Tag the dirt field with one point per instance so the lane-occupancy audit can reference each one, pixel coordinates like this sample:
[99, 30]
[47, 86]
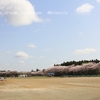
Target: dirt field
[50, 88]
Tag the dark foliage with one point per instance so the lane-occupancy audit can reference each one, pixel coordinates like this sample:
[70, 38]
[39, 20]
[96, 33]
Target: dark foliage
[68, 63]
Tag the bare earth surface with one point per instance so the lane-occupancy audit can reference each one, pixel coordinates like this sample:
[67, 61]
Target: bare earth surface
[50, 88]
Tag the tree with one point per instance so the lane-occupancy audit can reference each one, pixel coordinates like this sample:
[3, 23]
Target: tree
[37, 70]
[43, 70]
[32, 70]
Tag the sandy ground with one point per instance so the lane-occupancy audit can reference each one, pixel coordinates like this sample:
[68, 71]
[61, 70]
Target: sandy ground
[50, 88]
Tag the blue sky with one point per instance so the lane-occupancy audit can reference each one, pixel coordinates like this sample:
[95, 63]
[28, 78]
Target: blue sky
[40, 33]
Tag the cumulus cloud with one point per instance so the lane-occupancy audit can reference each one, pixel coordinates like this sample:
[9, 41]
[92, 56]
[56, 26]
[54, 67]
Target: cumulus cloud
[85, 51]
[98, 1]
[84, 8]
[21, 54]
[31, 46]
[18, 12]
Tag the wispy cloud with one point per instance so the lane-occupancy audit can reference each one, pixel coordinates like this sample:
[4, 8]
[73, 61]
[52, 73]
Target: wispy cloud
[21, 54]
[18, 12]
[85, 51]
[84, 8]
[31, 46]
[98, 1]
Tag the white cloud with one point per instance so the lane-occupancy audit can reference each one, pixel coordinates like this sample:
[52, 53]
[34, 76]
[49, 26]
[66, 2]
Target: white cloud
[31, 46]
[98, 1]
[85, 51]
[18, 12]
[84, 8]
[21, 54]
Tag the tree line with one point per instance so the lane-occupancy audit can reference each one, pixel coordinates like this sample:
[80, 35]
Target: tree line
[68, 63]
[69, 68]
